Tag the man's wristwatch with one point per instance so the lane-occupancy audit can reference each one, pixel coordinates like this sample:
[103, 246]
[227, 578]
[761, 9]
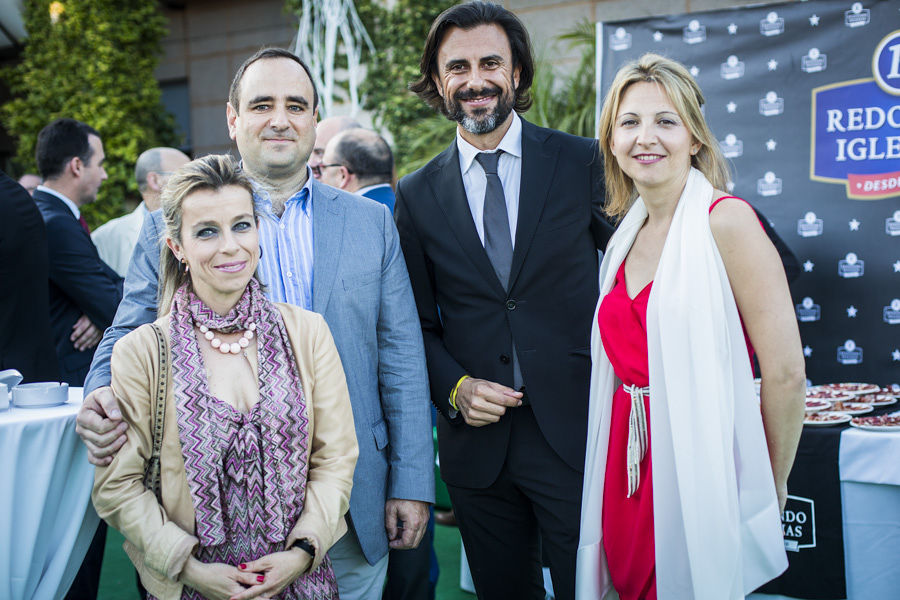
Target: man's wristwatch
[305, 545]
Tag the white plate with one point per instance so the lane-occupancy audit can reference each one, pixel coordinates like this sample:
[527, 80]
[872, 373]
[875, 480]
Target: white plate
[40, 395]
[845, 418]
[879, 403]
[891, 428]
[817, 404]
[853, 408]
[865, 388]
[827, 394]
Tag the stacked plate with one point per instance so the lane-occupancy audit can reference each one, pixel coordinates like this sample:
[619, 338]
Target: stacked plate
[846, 400]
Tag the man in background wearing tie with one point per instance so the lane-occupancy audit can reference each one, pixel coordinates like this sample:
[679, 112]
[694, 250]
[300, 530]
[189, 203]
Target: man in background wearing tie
[84, 291]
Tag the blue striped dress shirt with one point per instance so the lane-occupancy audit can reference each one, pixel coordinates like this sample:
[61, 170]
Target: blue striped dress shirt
[286, 264]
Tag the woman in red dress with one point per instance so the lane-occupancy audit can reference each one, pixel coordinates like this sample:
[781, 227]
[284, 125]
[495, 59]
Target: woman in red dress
[686, 471]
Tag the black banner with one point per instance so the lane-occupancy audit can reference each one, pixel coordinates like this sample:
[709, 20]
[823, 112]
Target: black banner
[805, 101]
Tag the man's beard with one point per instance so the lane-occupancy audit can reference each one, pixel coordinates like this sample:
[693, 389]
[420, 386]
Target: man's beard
[484, 120]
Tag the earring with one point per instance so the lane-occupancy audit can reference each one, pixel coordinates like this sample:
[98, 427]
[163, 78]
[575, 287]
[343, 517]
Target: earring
[187, 267]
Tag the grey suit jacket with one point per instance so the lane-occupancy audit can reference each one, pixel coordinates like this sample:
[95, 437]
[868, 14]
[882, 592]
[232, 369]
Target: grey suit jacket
[362, 289]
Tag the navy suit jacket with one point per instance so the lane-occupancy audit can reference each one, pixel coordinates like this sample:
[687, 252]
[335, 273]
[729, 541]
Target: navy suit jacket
[469, 321]
[80, 283]
[383, 194]
[25, 340]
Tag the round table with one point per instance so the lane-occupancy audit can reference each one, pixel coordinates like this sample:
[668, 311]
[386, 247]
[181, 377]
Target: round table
[46, 516]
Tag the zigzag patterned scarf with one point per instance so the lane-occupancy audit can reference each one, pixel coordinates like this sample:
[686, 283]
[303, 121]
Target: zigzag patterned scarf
[284, 420]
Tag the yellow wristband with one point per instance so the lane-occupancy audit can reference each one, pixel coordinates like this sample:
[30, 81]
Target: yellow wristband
[456, 389]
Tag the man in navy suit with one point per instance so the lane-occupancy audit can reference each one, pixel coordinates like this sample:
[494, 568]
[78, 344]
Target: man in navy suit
[360, 161]
[501, 233]
[26, 343]
[84, 291]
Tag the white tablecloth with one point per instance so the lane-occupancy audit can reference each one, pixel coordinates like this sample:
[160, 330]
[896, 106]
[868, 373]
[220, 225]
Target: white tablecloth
[869, 464]
[46, 517]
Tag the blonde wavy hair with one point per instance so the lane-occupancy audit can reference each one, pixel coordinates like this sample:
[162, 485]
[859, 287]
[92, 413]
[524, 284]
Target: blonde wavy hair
[212, 172]
[685, 95]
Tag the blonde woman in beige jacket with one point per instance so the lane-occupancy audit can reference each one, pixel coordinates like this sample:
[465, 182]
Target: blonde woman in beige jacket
[258, 445]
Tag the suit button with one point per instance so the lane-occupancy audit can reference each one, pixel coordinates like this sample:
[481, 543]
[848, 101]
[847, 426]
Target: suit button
[510, 305]
[504, 359]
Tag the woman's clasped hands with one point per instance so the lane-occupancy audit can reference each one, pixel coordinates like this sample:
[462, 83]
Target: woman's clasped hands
[262, 578]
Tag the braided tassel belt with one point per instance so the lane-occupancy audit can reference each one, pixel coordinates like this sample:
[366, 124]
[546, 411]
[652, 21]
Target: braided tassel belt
[637, 436]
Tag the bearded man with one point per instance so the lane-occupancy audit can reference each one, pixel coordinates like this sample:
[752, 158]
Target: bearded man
[501, 233]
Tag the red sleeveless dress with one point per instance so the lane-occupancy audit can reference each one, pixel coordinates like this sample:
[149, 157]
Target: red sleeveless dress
[627, 523]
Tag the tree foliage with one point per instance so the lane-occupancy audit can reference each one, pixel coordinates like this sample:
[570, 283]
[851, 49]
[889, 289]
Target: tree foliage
[95, 63]
[399, 36]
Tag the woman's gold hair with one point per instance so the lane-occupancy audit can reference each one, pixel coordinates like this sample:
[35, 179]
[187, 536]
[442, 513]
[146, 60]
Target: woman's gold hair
[685, 95]
[212, 172]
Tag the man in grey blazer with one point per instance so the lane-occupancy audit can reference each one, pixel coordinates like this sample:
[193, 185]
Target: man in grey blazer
[358, 282]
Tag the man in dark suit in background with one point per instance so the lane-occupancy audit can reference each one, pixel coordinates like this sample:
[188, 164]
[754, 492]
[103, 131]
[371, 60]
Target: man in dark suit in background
[84, 291]
[25, 340]
[501, 234]
[359, 161]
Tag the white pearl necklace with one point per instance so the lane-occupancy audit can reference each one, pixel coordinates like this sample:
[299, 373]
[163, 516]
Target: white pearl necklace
[224, 347]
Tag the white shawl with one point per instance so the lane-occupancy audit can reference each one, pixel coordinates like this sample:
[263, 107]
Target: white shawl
[717, 524]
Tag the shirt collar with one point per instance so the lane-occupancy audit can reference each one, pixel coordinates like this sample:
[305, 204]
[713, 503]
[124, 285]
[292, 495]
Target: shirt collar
[511, 144]
[304, 196]
[362, 191]
[72, 206]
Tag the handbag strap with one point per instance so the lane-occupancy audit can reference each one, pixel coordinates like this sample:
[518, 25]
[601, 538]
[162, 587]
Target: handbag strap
[152, 472]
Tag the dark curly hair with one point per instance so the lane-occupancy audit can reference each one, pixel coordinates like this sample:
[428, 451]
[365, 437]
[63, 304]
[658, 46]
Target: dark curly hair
[469, 16]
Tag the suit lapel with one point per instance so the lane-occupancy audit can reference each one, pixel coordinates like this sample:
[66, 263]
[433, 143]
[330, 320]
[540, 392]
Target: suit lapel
[328, 231]
[450, 194]
[539, 156]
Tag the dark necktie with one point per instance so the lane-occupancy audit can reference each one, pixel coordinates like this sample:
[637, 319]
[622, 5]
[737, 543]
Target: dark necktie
[84, 225]
[497, 240]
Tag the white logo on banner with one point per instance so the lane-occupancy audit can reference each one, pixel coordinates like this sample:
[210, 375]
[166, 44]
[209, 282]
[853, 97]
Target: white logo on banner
[849, 353]
[851, 266]
[798, 523]
[620, 40]
[731, 146]
[771, 105]
[808, 311]
[814, 61]
[769, 185]
[857, 16]
[694, 33]
[772, 24]
[892, 312]
[809, 225]
[892, 224]
[732, 68]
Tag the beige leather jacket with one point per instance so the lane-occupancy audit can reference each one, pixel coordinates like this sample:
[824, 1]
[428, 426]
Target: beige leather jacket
[159, 539]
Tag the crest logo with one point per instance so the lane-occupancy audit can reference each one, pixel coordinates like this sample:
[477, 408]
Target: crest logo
[857, 16]
[892, 224]
[856, 128]
[851, 266]
[808, 311]
[886, 64]
[814, 61]
[620, 40]
[849, 353]
[694, 33]
[769, 185]
[771, 25]
[731, 146]
[892, 312]
[732, 68]
[798, 523]
[771, 105]
[810, 225]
